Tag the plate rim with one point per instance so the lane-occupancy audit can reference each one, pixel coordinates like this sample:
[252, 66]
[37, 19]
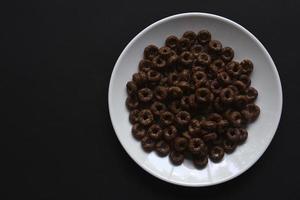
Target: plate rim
[220, 18]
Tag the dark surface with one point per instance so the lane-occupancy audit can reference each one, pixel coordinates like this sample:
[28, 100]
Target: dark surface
[57, 139]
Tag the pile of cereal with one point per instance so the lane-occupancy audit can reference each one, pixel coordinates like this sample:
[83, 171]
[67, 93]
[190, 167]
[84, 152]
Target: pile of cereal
[191, 100]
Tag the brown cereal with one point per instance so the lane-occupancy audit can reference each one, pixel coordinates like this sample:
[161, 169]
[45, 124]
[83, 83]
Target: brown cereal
[157, 108]
[162, 148]
[170, 133]
[191, 99]
[183, 118]
[172, 42]
[227, 54]
[166, 118]
[134, 116]
[216, 154]
[176, 158]
[148, 144]
[146, 117]
[145, 65]
[138, 131]
[145, 95]
[180, 144]
[150, 52]
[155, 132]
[203, 36]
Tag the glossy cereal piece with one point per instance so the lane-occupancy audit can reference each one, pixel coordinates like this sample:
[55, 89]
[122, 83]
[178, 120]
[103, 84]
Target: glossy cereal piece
[240, 101]
[145, 95]
[145, 65]
[167, 118]
[214, 117]
[173, 59]
[215, 46]
[227, 95]
[172, 42]
[200, 161]
[208, 125]
[184, 86]
[229, 146]
[134, 116]
[192, 101]
[217, 66]
[207, 137]
[131, 88]
[251, 94]
[216, 154]
[185, 75]
[173, 78]
[235, 119]
[165, 52]
[240, 85]
[161, 93]
[132, 103]
[183, 118]
[234, 89]
[200, 77]
[234, 69]
[180, 144]
[146, 117]
[138, 131]
[175, 92]
[186, 58]
[196, 50]
[204, 95]
[157, 108]
[227, 54]
[194, 127]
[159, 62]
[184, 44]
[139, 78]
[203, 36]
[153, 76]
[176, 158]
[218, 105]
[204, 59]
[222, 126]
[150, 52]
[224, 78]
[247, 66]
[162, 148]
[155, 132]
[243, 135]
[245, 79]
[251, 112]
[184, 102]
[148, 144]
[170, 132]
[175, 107]
[196, 146]
[233, 134]
[215, 87]
[191, 36]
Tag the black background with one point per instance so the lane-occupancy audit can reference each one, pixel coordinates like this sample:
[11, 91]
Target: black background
[57, 138]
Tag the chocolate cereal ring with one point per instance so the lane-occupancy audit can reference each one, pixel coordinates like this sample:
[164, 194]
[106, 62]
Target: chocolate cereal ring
[203, 36]
[146, 117]
[145, 95]
[157, 108]
[150, 52]
[148, 144]
[169, 133]
[138, 131]
[176, 158]
[180, 144]
[155, 132]
[216, 154]
[166, 118]
[227, 54]
[183, 118]
[162, 148]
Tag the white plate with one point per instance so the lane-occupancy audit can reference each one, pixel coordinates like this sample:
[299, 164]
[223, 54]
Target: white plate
[265, 79]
